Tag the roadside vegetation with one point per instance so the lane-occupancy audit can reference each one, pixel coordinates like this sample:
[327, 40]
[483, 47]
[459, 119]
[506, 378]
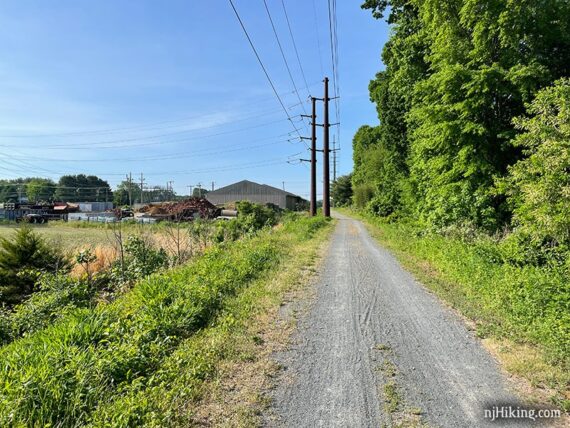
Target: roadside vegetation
[467, 175]
[125, 345]
[521, 311]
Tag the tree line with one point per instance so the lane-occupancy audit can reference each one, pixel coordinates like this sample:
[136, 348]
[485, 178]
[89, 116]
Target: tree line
[69, 188]
[82, 188]
[474, 111]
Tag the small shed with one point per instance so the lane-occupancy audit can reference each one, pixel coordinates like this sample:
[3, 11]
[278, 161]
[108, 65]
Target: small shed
[254, 192]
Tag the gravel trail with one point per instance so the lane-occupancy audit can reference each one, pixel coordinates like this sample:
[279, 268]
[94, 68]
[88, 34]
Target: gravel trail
[376, 349]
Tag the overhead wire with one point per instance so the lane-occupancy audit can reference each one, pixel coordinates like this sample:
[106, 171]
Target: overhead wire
[116, 144]
[153, 125]
[333, 29]
[261, 63]
[283, 55]
[178, 155]
[317, 33]
[295, 47]
[229, 167]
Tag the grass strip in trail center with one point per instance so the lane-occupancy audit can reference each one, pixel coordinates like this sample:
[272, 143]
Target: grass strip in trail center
[60, 375]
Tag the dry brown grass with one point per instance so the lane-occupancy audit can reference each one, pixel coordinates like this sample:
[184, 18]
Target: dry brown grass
[529, 373]
[105, 256]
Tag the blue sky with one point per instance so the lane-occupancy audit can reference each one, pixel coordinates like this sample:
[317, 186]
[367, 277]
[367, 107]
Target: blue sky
[172, 88]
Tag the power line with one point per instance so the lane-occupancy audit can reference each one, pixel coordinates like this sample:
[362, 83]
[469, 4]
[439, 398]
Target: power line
[283, 55]
[317, 33]
[152, 125]
[229, 167]
[295, 47]
[333, 29]
[261, 64]
[112, 144]
[178, 155]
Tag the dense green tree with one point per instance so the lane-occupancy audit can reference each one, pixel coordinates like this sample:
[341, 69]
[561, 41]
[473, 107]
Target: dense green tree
[159, 194]
[341, 191]
[121, 193]
[13, 190]
[539, 186]
[83, 188]
[9, 190]
[40, 189]
[365, 138]
[457, 73]
[384, 163]
[199, 192]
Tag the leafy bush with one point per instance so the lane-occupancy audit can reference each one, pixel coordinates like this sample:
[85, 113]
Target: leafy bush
[57, 296]
[251, 218]
[362, 194]
[141, 259]
[21, 258]
[255, 216]
[539, 186]
[109, 347]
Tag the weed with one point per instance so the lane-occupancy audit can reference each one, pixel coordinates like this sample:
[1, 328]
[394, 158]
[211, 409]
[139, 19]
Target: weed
[135, 360]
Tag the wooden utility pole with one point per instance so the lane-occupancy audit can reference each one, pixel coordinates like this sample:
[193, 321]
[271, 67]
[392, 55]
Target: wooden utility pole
[313, 160]
[326, 151]
[313, 208]
[129, 188]
[142, 188]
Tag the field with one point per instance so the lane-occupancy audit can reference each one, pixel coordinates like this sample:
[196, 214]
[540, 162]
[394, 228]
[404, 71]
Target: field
[68, 236]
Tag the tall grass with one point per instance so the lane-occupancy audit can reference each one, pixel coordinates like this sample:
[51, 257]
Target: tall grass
[58, 376]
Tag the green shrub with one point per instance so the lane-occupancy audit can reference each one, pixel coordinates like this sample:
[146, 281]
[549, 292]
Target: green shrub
[21, 258]
[253, 216]
[362, 194]
[57, 296]
[539, 186]
[141, 259]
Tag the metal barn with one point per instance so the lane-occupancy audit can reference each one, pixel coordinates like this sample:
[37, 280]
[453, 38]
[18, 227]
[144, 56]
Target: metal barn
[254, 192]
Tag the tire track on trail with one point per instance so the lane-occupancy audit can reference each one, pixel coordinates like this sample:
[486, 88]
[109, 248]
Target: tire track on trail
[376, 349]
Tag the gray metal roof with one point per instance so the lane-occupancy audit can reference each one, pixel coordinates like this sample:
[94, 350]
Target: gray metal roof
[236, 187]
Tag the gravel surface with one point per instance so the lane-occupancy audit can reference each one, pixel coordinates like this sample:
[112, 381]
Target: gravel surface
[376, 349]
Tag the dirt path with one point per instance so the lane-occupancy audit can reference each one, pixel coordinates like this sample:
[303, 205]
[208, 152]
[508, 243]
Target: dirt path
[376, 349]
